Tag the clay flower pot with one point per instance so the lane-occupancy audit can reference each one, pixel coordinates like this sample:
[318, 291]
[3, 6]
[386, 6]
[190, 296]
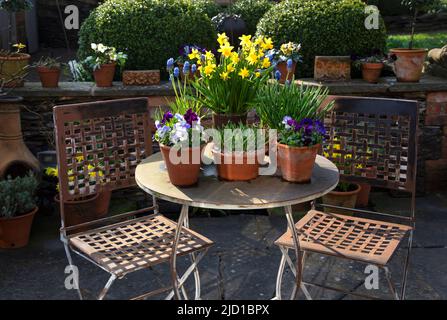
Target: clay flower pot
[14, 66]
[49, 76]
[183, 174]
[87, 209]
[14, 232]
[409, 64]
[371, 71]
[228, 169]
[363, 195]
[297, 163]
[220, 120]
[104, 75]
[342, 199]
[282, 67]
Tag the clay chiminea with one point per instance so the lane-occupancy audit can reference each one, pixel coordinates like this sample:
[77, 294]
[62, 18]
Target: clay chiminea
[15, 157]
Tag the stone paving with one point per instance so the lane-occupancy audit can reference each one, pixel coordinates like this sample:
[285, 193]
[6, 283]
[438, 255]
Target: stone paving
[242, 264]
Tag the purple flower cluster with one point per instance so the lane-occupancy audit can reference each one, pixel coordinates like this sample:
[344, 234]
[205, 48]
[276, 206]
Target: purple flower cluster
[191, 117]
[306, 132]
[187, 49]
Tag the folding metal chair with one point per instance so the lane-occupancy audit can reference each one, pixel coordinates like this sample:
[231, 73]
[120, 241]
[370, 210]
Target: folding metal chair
[112, 138]
[371, 133]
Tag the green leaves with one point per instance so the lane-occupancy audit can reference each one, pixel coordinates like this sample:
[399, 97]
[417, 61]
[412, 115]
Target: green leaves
[17, 196]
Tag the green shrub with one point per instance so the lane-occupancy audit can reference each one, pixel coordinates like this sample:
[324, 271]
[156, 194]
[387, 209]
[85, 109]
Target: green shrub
[251, 11]
[323, 27]
[209, 7]
[149, 31]
[17, 196]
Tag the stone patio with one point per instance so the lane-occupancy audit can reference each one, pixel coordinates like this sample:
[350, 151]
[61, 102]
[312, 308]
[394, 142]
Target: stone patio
[242, 264]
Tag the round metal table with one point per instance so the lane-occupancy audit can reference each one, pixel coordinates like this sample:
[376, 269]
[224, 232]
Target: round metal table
[262, 193]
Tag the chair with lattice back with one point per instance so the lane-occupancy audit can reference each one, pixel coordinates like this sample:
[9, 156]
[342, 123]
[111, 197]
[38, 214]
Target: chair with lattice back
[99, 145]
[365, 135]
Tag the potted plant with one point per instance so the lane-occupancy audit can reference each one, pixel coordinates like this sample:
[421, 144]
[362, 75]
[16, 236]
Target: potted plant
[298, 145]
[17, 209]
[49, 70]
[228, 85]
[86, 208]
[371, 67]
[238, 152]
[409, 62]
[14, 66]
[286, 59]
[346, 193]
[103, 62]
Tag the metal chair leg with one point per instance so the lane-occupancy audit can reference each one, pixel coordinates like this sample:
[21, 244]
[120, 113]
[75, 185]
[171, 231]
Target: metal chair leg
[407, 263]
[107, 287]
[70, 262]
[279, 277]
[390, 282]
[178, 232]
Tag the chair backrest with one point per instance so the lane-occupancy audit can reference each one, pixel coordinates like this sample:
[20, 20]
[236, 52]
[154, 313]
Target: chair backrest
[100, 144]
[374, 140]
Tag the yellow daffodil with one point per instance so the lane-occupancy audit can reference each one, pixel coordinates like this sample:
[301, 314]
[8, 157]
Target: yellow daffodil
[244, 73]
[209, 69]
[252, 58]
[234, 57]
[226, 50]
[267, 44]
[266, 63]
[209, 55]
[222, 38]
[230, 68]
[257, 74]
[224, 76]
[245, 41]
[51, 172]
[195, 54]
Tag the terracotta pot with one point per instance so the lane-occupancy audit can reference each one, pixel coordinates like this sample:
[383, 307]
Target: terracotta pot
[104, 75]
[285, 75]
[363, 195]
[182, 174]
[229, 170]
[409, 64]
[49, 76]
[14, 232]
[297, 163]
[371, 71]
[88, 209]
[13, 66]
[220, 120]
[342, 199]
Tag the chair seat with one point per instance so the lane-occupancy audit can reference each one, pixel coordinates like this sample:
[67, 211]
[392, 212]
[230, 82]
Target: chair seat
[364, 240]
[132, 245]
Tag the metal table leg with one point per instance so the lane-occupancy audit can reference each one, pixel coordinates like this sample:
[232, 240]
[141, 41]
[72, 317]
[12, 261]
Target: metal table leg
[178, 232]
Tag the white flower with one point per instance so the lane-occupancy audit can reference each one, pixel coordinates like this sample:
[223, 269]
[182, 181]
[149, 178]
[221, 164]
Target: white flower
[102, 48]
[94, 46]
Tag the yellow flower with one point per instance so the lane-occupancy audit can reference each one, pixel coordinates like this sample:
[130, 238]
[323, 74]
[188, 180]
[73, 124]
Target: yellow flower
[257, 74]
[234, 57]
[230, 68]
[209, 55]
[266, 63]
[224, 76]
[267, 44]
[244, 73]
[222, 38]
[245, 40]
[79, 159]
[209, 68]
[51, 172]
[19, 46]
[252, 57]
[226, 50]
[194, 54]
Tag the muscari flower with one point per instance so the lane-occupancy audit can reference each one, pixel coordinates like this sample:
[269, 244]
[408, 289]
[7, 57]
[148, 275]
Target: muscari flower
[186, 67]
[170, 64]
[176, 72]
[277, 75]
[289, 65]
[193, 68]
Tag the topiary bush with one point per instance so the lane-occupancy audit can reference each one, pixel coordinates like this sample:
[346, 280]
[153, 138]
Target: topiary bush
[149, 31]
[323, 27]
[251, 11]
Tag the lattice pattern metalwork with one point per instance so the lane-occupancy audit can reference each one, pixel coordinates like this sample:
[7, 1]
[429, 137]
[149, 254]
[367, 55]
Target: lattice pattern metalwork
[349, 237]
[130, 246]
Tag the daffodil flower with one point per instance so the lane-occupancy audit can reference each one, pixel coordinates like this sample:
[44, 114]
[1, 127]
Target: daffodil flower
[224, 76]
[222, 38]
[226, 50]
[244, 73]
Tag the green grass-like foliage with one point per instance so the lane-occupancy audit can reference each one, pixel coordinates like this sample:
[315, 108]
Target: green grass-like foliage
[149, 31]
[421, 40]
[17, 196]
[251, 11]
[240, 137]
[275, 101]
[323, 27]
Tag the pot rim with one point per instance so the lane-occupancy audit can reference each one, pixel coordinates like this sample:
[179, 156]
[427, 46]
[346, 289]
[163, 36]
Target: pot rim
[285, 146]
[74, 201]
[46, 69]
[32, 212]
[107, 65]
[347, 193]
[230, 114]
[163, 146]
[21, 56]
[233, 153]
[406, 50]
[372, 65]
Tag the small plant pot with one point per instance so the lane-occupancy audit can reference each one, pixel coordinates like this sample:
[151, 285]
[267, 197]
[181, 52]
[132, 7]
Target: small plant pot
[220, 120]
[363, 195]
[285, 75]
[84, 210]
[371, 71]
[14, 232]
[228, 169]
[342, 199]
[49, 77]
[297, 163]
[14, 66]
[104, 75]
[409, 64]
[183, 174]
